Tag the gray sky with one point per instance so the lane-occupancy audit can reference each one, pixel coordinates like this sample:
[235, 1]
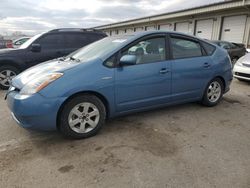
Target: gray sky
[31, 17]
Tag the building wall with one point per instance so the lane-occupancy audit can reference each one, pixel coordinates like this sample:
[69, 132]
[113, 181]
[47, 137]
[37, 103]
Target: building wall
[217, 18]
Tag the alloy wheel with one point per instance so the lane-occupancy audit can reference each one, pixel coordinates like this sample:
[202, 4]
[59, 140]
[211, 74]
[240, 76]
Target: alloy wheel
[6, 76]
[214, 92]
[84, 117]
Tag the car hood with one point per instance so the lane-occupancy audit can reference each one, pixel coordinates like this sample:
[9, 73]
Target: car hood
[246, 59]
[10, 51]
[42, 69]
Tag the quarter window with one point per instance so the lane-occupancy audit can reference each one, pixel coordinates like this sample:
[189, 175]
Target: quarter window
[185, 48]
[148, 51]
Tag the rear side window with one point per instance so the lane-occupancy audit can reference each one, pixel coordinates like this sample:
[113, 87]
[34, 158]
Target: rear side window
[78, 40]
[208, 48]
[185, 48]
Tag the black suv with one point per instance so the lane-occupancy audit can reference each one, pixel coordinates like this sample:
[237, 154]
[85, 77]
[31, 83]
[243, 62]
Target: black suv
[43, 47]
[234, 50]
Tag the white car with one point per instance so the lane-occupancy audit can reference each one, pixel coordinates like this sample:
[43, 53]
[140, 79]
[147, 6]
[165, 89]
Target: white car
[241, 69]
[17, 43]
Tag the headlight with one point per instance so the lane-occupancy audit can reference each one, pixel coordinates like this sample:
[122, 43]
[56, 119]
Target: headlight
[39, 83]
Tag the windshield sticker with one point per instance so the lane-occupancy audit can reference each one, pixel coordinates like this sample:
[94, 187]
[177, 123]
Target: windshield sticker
[119, 40]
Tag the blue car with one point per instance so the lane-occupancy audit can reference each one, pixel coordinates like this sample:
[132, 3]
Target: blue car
[117, 76]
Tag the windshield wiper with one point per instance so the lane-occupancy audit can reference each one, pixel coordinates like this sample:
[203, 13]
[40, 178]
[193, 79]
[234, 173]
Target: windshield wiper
[62, 58]
[74, 59]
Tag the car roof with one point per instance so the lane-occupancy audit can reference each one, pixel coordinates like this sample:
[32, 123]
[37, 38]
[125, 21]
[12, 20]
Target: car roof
[76, 30]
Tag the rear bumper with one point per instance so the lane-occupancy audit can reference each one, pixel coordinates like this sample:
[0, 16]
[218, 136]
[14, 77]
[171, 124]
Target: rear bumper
[35, 111]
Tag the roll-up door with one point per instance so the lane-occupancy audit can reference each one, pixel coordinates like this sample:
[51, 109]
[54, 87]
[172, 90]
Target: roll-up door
[182, 27]
[166, 27]
[233, 28]
[204, 29]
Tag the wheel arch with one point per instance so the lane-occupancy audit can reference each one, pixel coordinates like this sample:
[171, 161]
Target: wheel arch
[10, 62]
[223, 81]
[99, 95]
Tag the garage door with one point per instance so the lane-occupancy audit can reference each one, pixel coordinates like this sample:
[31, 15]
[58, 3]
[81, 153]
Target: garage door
[113, 32]
[121, 32]
[233, 28]
[139, 29]
[150, 28]
[182, 27]
[204, 29]
[166, 27]
[130, 30]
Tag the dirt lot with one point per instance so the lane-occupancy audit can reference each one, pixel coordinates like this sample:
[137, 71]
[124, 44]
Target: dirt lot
[181, 146]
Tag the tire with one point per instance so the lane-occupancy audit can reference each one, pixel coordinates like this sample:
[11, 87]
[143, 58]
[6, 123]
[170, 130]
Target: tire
[212, 96]
[76, 119]
[7, 73]
[241, 80]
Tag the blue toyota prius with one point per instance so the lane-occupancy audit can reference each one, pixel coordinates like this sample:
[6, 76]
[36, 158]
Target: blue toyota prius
[116, 76]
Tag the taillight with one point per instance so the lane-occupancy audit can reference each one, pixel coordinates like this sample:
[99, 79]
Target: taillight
[9, 44]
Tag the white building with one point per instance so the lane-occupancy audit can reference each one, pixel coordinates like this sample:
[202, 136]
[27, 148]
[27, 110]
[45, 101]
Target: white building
[228, 20]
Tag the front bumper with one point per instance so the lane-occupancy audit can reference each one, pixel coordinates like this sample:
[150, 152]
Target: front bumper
[35, 111]
[241, 72]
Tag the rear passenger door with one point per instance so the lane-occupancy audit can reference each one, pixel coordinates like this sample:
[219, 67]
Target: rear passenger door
[191, 68]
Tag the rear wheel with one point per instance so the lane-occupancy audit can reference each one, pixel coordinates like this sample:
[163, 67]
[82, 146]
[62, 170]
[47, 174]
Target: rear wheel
[82, 117]
[7, 73]
[213, 93]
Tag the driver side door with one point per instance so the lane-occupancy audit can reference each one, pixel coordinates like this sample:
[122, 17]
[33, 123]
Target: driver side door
[148, 82]
[52, 46]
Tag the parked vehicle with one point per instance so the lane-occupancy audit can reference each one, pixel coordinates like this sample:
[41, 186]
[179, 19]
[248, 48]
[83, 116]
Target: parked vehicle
[6, 44]
[17, 43]
[241, 69]
[234, 50]
[41, 48]
[116, 76]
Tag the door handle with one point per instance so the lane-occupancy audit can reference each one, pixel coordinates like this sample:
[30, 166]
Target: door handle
[206, 65]
[164, 71]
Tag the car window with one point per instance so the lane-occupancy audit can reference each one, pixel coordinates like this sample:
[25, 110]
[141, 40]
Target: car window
[225, 45]
[94, 37]
[110, 62]
[148, 51]
[75, 40]
[51, 41]
[208, 48]
[185, 48]
[78, 40]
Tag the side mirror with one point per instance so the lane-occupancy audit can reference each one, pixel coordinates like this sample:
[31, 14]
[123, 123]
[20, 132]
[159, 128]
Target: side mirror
[128, 60]
[226, 47]
[35, 47]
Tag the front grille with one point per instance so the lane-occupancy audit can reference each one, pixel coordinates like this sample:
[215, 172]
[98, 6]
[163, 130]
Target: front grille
[242, 74]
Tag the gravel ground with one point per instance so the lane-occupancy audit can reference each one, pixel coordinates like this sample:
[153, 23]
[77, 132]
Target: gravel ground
[181, 146]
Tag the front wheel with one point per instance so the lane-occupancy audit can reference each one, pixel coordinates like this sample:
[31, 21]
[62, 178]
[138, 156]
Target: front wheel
[82, 117]
[7, 73]
[213, 93]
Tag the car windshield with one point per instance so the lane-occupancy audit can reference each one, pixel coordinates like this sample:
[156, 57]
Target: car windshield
[99, 48]
[30, 41]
